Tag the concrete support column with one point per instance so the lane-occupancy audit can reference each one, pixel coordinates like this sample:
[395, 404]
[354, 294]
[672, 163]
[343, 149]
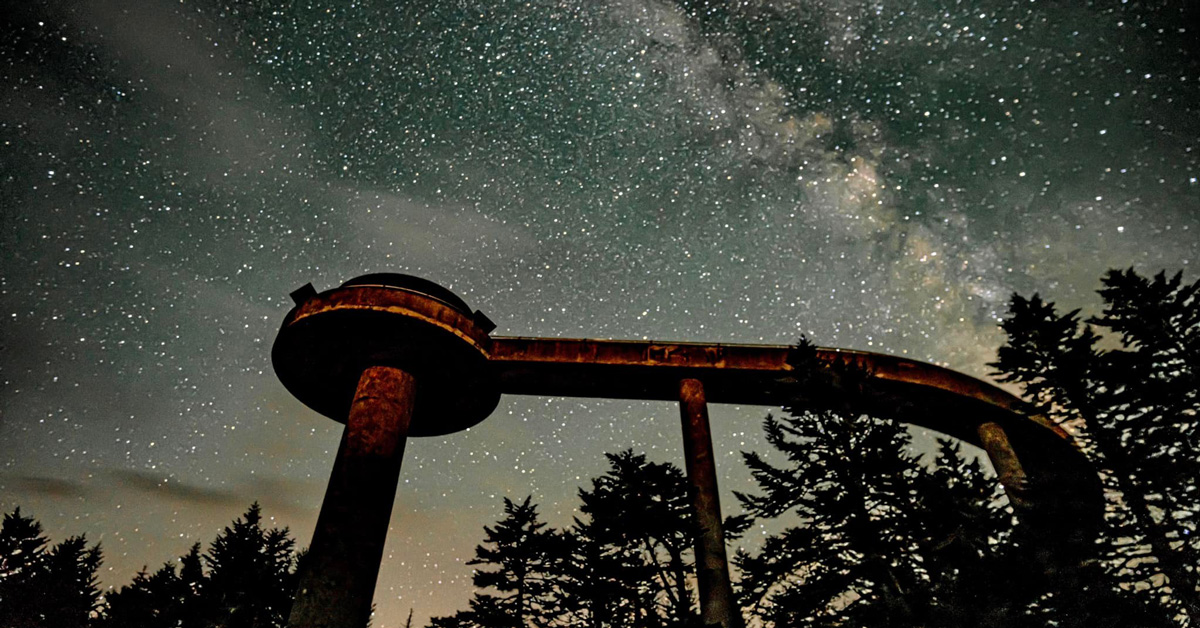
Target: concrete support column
[342, 565]
[717, 606]
[1004, 460]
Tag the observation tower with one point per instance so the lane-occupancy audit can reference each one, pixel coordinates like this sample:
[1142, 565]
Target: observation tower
[393, 356]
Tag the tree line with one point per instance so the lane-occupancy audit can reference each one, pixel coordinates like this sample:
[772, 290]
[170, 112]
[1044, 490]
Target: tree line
[847, 525]
[245, 579]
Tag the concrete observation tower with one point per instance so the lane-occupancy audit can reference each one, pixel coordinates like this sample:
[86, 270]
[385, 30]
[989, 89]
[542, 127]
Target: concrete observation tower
[393, 356]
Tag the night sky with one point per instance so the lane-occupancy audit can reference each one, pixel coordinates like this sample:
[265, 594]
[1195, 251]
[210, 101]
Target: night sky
[878, 175]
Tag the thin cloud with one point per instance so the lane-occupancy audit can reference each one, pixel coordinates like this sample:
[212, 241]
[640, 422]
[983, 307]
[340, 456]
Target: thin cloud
[167, 488]
[44, 485]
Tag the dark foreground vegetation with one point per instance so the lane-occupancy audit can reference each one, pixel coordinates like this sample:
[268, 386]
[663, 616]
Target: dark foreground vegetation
[848, 525]
[244, 580]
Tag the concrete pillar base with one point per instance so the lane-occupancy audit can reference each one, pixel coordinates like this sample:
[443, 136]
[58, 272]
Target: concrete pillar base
[338, 580]
[717, 604]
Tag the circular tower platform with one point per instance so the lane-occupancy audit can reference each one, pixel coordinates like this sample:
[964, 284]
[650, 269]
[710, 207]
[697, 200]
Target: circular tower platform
[389, 319]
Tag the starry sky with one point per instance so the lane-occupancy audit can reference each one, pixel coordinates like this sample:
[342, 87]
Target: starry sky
[878, 175]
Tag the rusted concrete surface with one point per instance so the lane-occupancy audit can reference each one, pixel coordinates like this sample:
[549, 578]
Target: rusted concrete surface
[342, 564]
[608, 364]
[717, 604]
[327, 340]
[1045, 475]
[994, 441]
[357, 353]
[911, 391]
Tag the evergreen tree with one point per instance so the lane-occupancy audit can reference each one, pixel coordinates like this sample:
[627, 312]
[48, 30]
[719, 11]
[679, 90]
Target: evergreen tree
[600, 583]
[968, 543]
[22, 549]
[246, 579]
[517, 546]
[523, 555]
[192, 581]
[150, 601]
[639, 517]
[881, 540]
[251, 575]
[628, 561]
[851, 557]
[42, 588]
[250, 581]
[1056, 360]
[68, 587]
[1136, 411]
[625, 563]
[1155, 397]
[164, 599]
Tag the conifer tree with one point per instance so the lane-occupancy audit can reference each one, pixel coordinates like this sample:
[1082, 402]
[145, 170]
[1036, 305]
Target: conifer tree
[251, 574]
[147, 602]
[249, 582]
[68, 588]
[22, 549]
[640, 512]
[522, 554]
[968, 543]
[601, 583]
[163, 599]
[191, 587]
[517, 546]
[848, 484]
[1136, 411]
[879, 539]
[1155, 397]
[40, 588]
[625, 563]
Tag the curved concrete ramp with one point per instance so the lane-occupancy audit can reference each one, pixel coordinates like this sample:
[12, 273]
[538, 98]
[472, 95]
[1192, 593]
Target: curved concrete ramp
[1049, 481]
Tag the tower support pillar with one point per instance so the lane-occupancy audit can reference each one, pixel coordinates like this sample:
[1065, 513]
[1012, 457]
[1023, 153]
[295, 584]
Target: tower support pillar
[717, 605]
[1004, 460]
[338, 578]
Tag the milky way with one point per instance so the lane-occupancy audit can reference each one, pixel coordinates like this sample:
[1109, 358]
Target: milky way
[876, 175]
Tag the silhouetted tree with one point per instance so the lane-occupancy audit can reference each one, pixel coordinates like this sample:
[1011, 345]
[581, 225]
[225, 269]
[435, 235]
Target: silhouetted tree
[22, 549]
[249, 582]
[163, 599]
[639, 517]
[42, 588]
[1136, 409]
[251, 575]
[521, 553]
[601, 583]
[967, 545]
[880, 540]
[191, 585]
[1155, 399]
[625, 563]
[68, 588]
[848, 484]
